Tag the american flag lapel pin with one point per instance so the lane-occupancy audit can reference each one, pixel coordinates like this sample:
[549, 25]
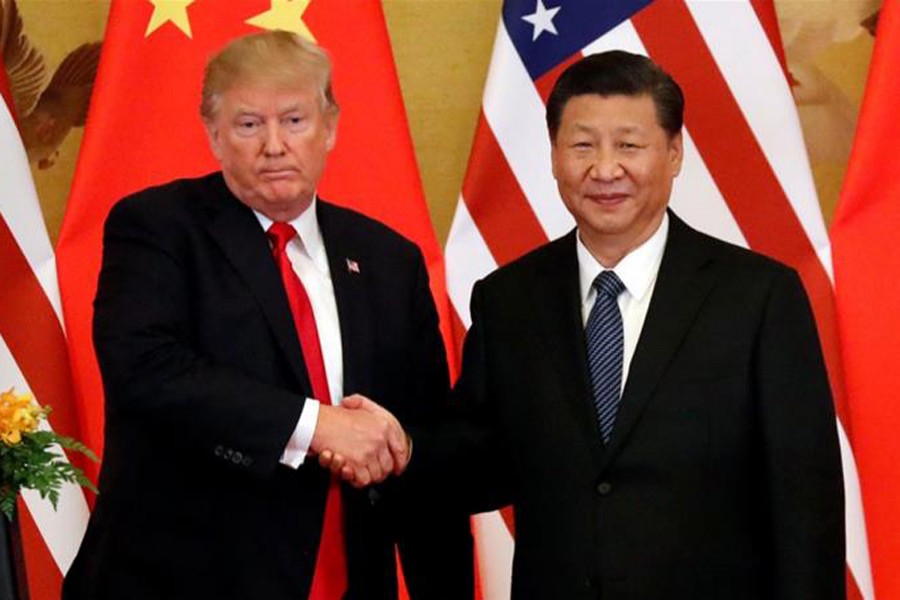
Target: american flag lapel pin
[352, 266]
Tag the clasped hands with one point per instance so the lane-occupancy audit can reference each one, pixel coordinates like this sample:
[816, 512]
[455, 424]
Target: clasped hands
[360, 441]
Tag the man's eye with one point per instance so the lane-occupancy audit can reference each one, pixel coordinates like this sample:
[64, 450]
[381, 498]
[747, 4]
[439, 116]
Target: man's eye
[294, 122]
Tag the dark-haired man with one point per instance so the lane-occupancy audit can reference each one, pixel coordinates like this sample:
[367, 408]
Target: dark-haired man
[654, 400]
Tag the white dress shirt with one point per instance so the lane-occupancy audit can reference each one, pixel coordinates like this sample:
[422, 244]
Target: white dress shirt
[637, 270]
[310, 262]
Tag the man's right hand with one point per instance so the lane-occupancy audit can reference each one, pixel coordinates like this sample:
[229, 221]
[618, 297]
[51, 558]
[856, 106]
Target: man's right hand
[360, 440]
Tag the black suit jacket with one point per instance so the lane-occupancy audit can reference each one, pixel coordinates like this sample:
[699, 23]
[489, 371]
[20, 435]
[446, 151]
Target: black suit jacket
[205, 381]
[722, 479]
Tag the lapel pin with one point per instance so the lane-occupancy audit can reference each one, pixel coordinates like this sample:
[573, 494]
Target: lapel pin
[352, 266]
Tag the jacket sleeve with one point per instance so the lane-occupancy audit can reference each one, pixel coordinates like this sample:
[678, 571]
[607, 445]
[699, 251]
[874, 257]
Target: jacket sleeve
[460, 455]
[801, 461]
[154, 374]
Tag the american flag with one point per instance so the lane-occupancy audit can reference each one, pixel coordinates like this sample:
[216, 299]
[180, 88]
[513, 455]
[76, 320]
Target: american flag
[33, 355]
[746, 177]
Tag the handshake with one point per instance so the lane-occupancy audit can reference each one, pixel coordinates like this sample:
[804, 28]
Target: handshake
[360, 441]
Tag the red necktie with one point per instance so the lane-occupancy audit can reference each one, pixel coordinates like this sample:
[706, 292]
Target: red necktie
[330, 579]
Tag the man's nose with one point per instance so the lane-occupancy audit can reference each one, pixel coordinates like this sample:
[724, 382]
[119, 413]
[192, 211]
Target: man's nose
[606, 166]
[273, 140]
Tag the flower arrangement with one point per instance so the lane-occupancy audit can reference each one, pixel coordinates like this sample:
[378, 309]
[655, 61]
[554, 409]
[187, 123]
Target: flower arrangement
[27, 457]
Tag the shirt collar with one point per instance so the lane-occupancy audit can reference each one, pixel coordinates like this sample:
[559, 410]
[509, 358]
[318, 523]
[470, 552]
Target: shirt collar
[637, 269]
[307, 226]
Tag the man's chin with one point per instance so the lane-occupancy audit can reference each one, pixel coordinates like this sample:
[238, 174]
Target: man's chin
[288, 200]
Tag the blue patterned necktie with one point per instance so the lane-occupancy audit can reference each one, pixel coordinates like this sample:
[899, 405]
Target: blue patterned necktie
[605, 350]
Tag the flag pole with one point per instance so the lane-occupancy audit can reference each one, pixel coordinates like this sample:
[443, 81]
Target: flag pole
[12, 562]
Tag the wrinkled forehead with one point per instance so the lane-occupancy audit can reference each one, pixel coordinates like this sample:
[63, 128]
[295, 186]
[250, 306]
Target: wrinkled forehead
[264, 95]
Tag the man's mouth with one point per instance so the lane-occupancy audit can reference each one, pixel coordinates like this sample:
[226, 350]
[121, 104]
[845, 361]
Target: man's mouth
[283, 173]
[607, 197]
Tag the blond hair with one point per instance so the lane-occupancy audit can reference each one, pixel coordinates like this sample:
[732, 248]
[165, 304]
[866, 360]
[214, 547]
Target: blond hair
[278, 59]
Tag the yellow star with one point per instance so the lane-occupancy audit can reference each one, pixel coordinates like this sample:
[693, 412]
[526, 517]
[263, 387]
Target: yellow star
[286, 15]
[165, 11]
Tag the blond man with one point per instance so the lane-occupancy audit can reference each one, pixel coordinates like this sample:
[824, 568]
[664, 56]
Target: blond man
[229, 328]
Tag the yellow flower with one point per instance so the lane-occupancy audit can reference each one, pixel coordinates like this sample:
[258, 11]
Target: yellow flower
[19, 414]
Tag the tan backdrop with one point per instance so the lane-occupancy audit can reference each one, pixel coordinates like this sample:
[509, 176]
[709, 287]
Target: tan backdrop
[442, 49]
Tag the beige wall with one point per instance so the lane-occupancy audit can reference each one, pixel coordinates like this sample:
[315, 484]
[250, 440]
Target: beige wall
[442, 49]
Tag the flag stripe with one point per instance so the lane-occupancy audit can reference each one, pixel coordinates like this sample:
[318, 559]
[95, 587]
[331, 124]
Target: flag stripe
[768, 19]
[63, 527]
[739, 165]
[756, 85]
[515, 230]
[33, 334]
[468, 260]
[859, 575]
[495, 547]
[519, 130]
[712, 215]
[44, 577]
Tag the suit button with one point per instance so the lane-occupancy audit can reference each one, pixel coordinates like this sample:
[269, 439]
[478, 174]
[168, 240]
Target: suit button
[247, 461]
[219, 450]
[604, 488]
[237, 457]
[227, 454]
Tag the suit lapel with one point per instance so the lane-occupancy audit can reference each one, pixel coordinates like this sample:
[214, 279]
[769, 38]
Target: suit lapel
[682, 285]
[556, 295]
[349, 277]
[236, 230]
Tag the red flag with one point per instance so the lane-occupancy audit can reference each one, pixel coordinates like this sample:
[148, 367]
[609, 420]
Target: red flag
[866, 267]
[751, 186]
[32, 345]
[144, 129]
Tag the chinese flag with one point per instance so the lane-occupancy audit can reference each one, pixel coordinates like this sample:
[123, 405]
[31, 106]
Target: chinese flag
[144, 129]
[867, 286]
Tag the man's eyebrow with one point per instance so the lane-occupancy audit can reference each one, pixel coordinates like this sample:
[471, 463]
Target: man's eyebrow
[622, 129]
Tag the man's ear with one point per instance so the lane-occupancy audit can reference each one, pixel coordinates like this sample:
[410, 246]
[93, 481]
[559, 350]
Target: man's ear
[212, 134]
[553, 157]
[676, 153]
[331, 123]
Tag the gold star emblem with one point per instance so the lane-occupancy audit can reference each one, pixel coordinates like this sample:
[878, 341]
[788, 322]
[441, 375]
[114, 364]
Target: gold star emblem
[165, 11]
[286, 15]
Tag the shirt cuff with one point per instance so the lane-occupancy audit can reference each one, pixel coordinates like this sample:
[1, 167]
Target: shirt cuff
[298, 445]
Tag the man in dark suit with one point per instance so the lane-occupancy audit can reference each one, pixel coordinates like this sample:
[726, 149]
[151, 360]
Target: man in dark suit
[652, 401]
[233, 313]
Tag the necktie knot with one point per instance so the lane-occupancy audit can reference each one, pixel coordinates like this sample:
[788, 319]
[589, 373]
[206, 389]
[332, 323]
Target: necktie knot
[280, 234]
[608, 284]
